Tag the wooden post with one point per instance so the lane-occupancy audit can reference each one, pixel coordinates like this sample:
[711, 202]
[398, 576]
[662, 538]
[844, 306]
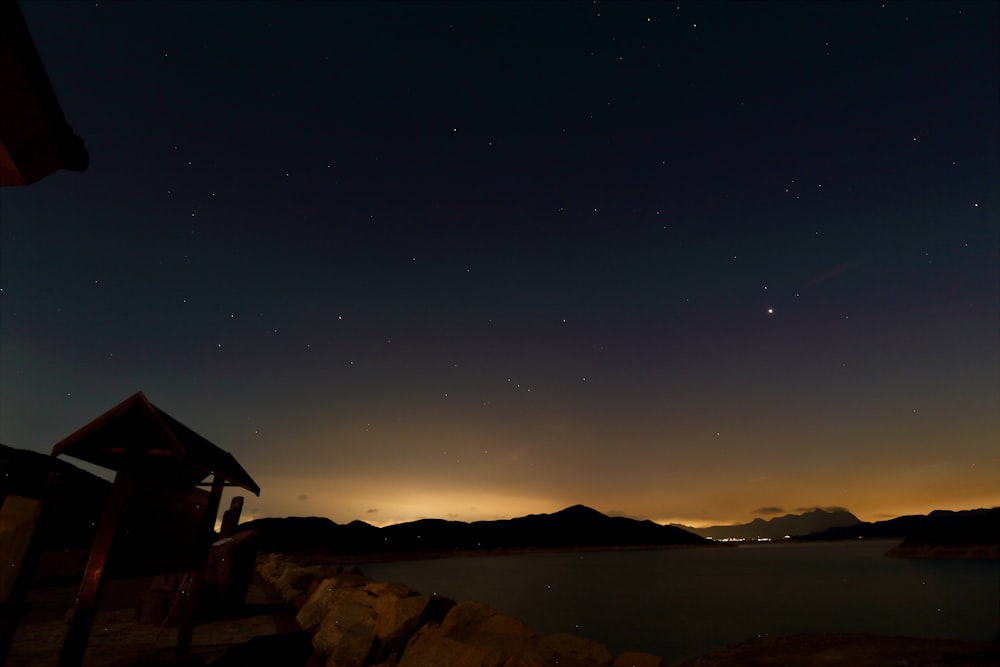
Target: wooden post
[198, 576]
[75, 644]
[231, 517]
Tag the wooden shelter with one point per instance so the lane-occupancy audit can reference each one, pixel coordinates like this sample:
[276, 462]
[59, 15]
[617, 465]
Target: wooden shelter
[35, 139]
[157, 520]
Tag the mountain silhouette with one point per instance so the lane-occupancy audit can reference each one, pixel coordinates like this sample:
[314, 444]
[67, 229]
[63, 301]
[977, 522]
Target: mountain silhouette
[901, 526]
[971, 534]
[778, 528]
[574, 527]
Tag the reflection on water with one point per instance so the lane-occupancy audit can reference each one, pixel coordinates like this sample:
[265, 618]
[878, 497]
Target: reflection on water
[680, 603]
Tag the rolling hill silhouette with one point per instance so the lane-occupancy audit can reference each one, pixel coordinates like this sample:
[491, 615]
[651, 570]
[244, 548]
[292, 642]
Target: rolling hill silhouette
[574, 527]
[782, 526]
[943, 522]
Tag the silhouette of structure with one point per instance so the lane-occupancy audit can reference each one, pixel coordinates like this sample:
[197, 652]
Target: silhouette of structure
[35, 139]
[156, 520]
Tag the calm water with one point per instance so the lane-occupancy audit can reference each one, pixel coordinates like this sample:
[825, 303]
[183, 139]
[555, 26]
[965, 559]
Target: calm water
[682, 603]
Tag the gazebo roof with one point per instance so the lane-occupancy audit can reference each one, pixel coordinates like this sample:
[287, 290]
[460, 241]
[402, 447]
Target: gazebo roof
[35, 139]
[171, 453]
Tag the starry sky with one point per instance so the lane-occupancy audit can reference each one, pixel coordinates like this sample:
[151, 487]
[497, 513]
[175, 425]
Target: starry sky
[686, 262]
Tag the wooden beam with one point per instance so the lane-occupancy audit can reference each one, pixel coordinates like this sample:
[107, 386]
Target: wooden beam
[231, 517]
[75, 644]
[198, 576]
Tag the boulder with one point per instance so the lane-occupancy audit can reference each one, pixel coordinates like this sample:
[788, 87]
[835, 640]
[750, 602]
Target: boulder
[353, 646]
[397, 622]
[356, 620]
[477, 624]
[346, 635]
[474, 635]
[293, 580]
[380, 588]
[573, 651]
[398, 618]
[326, 595]
[429, 647]
[471, 635]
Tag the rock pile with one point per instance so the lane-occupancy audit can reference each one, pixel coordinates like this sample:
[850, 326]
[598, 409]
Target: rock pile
[356, 621]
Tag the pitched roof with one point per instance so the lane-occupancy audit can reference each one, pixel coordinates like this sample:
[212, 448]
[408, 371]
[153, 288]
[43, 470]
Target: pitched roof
[35, 139]
[171, 452]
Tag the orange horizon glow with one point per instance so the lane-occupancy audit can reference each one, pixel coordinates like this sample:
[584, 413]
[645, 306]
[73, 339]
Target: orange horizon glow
[403, 507]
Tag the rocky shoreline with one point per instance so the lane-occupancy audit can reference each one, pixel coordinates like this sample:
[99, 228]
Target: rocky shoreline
[355, 620]
[268, 630]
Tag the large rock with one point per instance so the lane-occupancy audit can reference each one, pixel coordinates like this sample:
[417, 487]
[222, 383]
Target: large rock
[429, 648]
[478, 624]
[328, 593]
[576, 651]
[380, 588]
[358, 622]
[346, 635]
[398, 618]
[474, 635]
[471, 635]
[293, 580]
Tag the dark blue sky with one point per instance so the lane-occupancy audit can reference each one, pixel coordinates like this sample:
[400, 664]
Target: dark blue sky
[478, 260]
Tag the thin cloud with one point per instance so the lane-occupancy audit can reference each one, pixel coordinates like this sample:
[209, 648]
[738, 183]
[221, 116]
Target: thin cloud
[832, 273]
[768, 510]
[829, 508]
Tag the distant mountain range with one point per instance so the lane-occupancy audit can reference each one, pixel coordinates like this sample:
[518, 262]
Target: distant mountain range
[970, 534]
[938, 521]
[780, 527]
[574, 527]
[941, 534]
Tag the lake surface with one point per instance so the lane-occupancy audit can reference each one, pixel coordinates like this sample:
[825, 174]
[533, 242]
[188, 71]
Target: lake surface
[685, 602]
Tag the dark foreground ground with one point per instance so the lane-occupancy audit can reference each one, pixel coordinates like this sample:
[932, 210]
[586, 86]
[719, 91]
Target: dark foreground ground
[117, 640]
[265, 634]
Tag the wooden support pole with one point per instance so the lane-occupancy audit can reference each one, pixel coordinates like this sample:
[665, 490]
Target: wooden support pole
[198, 576]
[75, 644]
[231, 517]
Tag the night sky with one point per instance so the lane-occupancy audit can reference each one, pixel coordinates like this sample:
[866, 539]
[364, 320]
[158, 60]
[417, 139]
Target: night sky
[695, 262]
